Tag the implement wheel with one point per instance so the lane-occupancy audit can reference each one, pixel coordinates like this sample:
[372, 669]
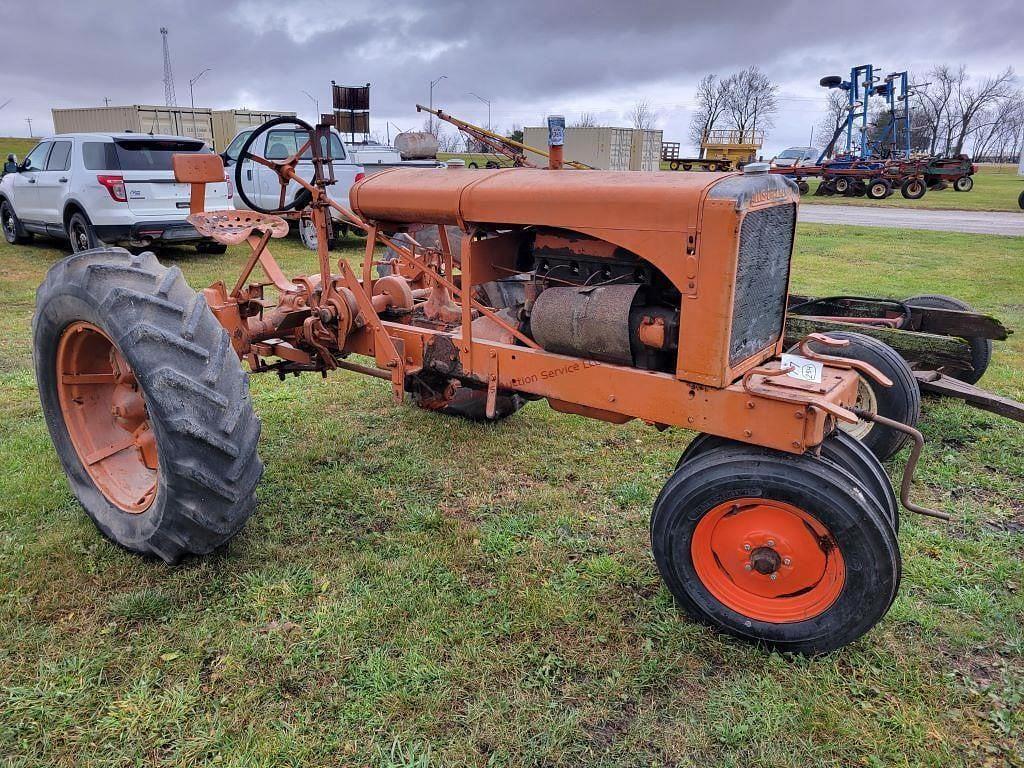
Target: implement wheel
[787, 550]
[901, 401]
[803, 187]
[913, 189]
[981, 349]
[146, 402]
[964, 184]
[879, 189]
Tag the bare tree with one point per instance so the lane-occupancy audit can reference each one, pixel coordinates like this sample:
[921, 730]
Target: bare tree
[585, 120]
[836, 110]
[642, 116]
[711, 98]
[971, 103]
[751, 102]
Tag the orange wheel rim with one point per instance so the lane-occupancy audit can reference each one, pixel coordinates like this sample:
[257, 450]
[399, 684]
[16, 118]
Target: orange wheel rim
[767, 560]
[106, 417]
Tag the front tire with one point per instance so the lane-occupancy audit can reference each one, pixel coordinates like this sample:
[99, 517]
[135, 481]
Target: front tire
[785, 550]
[964, 184]
[14, 233]
[81, 233]
[146, 403]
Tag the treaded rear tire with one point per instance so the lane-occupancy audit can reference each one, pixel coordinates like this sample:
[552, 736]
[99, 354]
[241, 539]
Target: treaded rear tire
[197, 397]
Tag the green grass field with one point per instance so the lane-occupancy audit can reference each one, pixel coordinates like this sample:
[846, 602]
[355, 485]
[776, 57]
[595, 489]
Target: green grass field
[420, 591]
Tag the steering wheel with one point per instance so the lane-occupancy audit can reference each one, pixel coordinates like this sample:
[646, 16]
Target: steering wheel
[303, 196]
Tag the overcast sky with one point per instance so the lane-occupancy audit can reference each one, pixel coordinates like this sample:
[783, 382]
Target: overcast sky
[530, 58]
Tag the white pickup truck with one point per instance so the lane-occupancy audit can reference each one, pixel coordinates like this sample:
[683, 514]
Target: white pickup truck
[261, 184]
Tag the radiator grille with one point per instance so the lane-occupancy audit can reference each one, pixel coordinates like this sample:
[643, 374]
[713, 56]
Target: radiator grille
[762, 278]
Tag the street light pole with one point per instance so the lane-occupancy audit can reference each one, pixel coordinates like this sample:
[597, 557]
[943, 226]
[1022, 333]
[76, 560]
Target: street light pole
[488, 103]
[432, 84]
[316, 104]
[192, 99]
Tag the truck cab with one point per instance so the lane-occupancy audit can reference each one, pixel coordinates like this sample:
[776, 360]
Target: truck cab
[261, 183]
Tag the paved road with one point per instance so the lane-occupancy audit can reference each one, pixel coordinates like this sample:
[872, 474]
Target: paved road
[977, 222]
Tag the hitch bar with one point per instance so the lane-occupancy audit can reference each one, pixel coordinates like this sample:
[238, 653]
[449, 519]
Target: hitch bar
[908, 471]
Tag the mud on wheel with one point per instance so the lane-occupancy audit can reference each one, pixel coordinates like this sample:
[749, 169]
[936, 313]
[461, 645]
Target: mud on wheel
[146, 403]
[787, 550]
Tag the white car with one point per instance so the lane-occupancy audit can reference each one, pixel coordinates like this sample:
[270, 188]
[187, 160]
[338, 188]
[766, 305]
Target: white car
[96, 188]
[796, 157]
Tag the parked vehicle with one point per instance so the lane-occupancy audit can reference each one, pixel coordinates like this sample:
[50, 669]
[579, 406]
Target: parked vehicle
[378, 157]
[796, 157]
[279, 144]
[96, 188]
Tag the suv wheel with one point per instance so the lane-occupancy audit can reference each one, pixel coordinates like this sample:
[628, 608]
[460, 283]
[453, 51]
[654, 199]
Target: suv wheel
[81, 233]
[13, 232]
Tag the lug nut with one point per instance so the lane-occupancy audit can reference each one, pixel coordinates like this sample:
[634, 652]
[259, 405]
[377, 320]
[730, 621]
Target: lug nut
[746, 547]
[774, 576]
[771, 542]
[747, 567]
[787, 561]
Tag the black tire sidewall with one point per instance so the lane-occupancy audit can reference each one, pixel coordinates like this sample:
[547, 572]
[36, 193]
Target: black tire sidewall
[981, 349]
[866, 542]
[83, 221]
[53, 316]
[901, 401]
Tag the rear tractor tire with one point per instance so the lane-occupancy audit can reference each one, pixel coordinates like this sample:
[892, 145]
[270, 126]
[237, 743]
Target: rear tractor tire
[146, 403]
[464, 401]
[901, 401]
[790, 551]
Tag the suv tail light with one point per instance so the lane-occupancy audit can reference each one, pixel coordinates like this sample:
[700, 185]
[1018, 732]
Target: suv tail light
[360, 176]
[115, 186]
[231, 189]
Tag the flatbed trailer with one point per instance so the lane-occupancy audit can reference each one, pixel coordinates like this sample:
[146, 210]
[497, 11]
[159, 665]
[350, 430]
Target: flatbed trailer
[945, 347]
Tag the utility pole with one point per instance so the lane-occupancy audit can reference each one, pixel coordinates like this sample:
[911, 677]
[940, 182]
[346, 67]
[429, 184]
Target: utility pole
[316, 104]
[488, 103]
[430, 122]
[170, 100]
[106, 102]
[29, 121]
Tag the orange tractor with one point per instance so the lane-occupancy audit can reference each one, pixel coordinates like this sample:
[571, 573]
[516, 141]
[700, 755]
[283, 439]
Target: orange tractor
[616, 296]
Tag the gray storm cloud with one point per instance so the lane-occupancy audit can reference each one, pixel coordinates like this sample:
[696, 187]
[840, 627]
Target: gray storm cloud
[528, 57]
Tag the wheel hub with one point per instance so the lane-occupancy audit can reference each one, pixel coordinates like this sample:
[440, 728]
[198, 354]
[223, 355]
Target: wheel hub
[767, 560]
[106, 417]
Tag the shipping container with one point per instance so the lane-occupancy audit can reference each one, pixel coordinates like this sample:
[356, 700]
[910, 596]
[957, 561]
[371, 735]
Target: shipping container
[228, 122]
[216, 128]
[645, 154]
[607, 149]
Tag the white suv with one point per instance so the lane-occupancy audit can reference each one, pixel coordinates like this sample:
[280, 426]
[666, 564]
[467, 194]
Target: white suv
[95, 188]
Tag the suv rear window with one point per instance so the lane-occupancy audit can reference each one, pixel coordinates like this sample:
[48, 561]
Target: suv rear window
[152, 154]
[99, 156]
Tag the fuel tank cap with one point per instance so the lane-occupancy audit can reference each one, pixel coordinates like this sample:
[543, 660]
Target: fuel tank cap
[756, 168]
